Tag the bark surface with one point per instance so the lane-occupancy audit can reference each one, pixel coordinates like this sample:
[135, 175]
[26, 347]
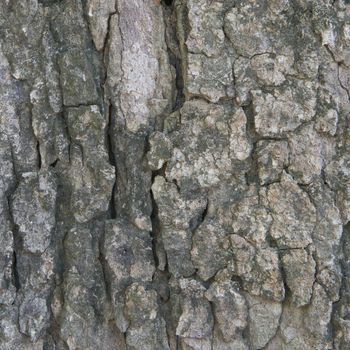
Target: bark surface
[174, 175]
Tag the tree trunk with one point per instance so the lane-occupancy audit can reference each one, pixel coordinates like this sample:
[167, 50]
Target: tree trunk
[174, 174]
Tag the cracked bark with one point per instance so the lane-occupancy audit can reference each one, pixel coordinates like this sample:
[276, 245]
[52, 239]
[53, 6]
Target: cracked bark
[174, 174]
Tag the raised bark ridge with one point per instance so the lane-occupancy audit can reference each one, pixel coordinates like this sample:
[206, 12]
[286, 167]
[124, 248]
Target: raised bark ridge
[174, 174]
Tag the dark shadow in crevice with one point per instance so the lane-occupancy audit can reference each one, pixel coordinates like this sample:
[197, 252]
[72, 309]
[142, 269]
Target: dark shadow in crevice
[156, 228]
[15, 272]
[112, 209]
[167, 2]
[53, 164]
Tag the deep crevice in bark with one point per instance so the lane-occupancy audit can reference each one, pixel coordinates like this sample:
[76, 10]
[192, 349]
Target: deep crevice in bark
[339, 313]
[252, 175]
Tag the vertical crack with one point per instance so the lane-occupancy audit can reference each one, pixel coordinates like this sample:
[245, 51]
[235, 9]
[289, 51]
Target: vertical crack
[155, 229]
[15, 271]
[109, 136]
[110, 111]
[112, 160]
[16, 244]
[39, 154]
[103, 263]
[35, 136]
[105, 49]
[175, 16]
[112, 208]
[156, 226]
[339, 312]
[252, 176]
[181, 30]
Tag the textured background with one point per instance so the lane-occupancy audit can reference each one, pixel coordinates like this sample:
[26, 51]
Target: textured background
[174, 175]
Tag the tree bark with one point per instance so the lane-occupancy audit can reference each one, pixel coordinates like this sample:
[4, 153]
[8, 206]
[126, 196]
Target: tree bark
[174, 174]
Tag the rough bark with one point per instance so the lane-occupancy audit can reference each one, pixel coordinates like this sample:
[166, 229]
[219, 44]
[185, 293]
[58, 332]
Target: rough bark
[174, 174]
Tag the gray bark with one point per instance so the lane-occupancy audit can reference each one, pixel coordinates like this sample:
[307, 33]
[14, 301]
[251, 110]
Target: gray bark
[174, 174]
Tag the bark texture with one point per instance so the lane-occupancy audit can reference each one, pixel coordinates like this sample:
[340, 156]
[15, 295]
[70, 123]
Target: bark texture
[174, 174]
